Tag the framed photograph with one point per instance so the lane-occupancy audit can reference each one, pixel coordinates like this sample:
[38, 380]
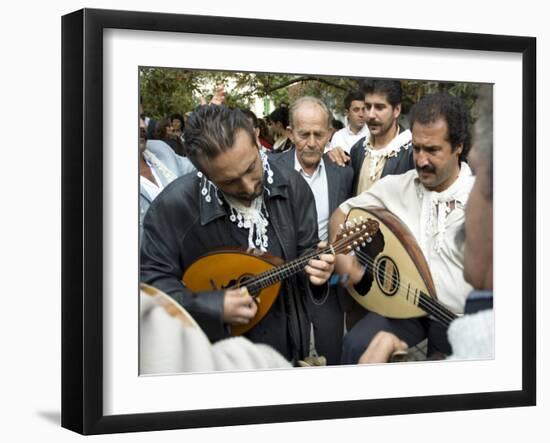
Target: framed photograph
[104, 54]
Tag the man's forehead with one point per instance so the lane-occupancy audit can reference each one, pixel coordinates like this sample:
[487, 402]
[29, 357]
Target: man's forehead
[357, 104]
[310, 116]
[434, 128]
[376, 97]
[233, 162]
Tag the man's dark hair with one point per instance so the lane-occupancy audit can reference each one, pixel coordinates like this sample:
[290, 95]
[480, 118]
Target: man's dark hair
[337, 124]
[391, 89]
[433, 107]
[160, 128]
[177, 116]
[251, 116]
[353, 96]
[211, 129]
[280, 115]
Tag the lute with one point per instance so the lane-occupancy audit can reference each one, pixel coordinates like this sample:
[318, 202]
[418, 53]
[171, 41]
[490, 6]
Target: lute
[397, 282]
[262, 273]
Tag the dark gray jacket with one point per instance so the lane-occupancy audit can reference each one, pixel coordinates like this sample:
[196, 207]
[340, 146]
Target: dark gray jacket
[326, 311]
[181, 226]
[339, 178]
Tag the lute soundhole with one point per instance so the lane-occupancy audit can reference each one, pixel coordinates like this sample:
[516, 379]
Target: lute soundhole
[365, 256]
[387, 275]
[241, 281]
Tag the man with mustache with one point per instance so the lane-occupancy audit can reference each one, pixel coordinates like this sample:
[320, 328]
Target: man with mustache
[472, 335]
[310, 122]
[238, 198]
[430, 201]
[386, 149]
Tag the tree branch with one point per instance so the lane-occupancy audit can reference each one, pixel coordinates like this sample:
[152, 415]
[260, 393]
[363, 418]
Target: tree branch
[304, 79]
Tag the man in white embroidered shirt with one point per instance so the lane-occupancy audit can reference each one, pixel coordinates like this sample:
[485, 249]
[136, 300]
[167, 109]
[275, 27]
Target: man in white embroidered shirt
[430, 201]
[386, 148]
[356, 128]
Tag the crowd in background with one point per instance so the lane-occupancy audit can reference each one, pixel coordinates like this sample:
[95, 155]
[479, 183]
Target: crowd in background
[419, 173]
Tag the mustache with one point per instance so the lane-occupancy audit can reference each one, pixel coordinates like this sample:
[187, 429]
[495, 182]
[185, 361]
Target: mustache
[312, 150]
[251, 197]
[426, 168]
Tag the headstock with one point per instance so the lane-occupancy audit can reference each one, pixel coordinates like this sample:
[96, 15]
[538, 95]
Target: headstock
[354, 234]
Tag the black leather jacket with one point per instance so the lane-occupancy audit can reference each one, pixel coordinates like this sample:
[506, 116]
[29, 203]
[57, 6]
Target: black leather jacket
[180, 226]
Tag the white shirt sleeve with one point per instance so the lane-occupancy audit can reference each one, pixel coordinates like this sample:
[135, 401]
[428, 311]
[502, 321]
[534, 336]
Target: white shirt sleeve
[371, 197]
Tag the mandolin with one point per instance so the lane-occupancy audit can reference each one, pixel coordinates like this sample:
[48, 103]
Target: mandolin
[262, 273]
[397, 282]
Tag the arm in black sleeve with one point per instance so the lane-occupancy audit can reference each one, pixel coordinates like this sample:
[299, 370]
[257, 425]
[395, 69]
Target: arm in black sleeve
[162, 263]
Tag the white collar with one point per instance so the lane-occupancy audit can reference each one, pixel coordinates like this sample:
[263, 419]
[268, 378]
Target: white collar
[361, 131]
[298, 167]
[458, 191]
[436, 206]
[400, 141]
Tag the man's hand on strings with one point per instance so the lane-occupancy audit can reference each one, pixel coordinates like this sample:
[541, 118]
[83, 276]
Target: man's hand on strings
[320, 269]
[238, 307]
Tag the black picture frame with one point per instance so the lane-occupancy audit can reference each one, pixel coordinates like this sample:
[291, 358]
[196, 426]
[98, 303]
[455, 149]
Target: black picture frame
[82, 218]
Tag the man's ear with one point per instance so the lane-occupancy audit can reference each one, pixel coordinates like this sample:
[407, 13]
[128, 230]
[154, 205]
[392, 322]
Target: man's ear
[289, 134]
[397, 110]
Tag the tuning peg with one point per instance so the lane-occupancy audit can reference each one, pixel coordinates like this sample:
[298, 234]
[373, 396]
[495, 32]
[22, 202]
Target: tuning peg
[369, 239]
[363, 244]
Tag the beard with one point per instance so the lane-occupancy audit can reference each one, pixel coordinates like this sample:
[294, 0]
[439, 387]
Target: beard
[380, 128]
[248, 198]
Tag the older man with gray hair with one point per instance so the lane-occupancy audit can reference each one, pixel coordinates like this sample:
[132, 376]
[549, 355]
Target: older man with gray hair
[331, 185]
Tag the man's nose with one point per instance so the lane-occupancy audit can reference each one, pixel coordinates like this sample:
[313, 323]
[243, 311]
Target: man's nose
[421, 159]
[312, 141]
[249, 185]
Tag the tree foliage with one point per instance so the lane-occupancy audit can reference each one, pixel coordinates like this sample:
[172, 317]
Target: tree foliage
[167, 90]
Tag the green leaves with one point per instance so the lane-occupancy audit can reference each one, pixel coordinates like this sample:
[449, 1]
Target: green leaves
[168, 90]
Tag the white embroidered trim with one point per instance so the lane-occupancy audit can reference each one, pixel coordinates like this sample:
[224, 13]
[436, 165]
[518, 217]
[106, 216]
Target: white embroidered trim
[253, 218]
[402, 141]
[206, 188]
[436, 206]
[159, 166]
